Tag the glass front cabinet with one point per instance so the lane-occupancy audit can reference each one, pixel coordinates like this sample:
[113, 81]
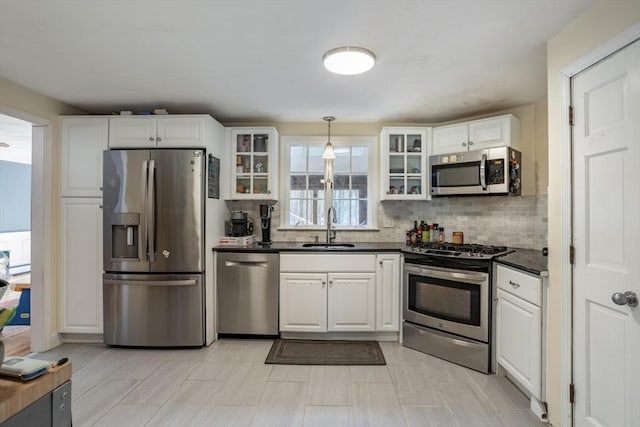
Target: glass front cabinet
[254, 163]
[404, 154]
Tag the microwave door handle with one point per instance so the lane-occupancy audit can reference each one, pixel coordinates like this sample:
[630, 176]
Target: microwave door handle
[144, 229]
[151, 215]
[483, 172]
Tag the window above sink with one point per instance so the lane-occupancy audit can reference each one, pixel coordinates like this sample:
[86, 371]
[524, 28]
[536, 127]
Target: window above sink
[303, 187]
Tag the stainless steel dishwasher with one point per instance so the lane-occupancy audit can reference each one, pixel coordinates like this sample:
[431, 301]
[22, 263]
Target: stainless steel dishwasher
[247, 293]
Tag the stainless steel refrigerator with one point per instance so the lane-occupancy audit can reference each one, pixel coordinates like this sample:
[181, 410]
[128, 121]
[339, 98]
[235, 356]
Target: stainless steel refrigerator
[153, 283]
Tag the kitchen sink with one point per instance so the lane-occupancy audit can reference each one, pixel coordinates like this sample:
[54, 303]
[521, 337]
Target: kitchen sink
[328, 245]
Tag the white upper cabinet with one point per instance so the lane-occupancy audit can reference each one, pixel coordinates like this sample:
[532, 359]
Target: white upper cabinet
[403, 163]
[254, 163]
[494, 132]
[82, 139]
[171, 131]
[497, 131]
[450, 139]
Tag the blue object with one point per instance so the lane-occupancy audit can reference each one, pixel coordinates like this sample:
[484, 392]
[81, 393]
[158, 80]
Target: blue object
[23, 311]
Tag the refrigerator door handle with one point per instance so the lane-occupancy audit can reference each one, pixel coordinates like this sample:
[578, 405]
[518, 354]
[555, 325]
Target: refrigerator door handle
[144, 232]
[151, 214]
[128, 282]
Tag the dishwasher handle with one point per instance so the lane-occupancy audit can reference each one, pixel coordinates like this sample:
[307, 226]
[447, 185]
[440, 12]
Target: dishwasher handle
[246, 264]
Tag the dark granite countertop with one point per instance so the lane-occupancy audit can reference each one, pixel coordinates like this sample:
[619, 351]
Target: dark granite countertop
[528, 260]
[297, 247]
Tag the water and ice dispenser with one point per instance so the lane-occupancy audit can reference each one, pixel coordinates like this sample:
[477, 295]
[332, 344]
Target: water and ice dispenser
[125, 235]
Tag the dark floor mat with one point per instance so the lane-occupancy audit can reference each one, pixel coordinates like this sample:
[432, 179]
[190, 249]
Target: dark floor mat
[308, 352]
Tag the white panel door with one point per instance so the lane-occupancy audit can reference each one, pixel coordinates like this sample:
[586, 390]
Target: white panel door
[606, 167]
[181, 132]
[303, 302]
[82, 139]
[450, 139]
[80, 264]
[388, 292]
[351, 302]
[519, 340]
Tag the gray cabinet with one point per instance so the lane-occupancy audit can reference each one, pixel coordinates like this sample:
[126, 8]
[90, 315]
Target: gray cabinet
[52, 409]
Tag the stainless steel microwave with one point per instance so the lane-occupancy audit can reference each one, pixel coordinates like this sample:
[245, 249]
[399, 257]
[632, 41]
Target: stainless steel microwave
[490, 171]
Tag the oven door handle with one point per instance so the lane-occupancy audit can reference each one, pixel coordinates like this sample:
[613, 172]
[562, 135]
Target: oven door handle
[448, 275]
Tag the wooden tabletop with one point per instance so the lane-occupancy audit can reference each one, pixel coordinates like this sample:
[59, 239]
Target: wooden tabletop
[15, 395]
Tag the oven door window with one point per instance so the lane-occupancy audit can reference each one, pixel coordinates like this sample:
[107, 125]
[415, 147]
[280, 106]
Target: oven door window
[456, 175]
[444, 299]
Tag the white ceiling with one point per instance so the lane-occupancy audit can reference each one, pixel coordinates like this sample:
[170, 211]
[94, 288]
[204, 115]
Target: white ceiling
[256, 60]
[16, 133]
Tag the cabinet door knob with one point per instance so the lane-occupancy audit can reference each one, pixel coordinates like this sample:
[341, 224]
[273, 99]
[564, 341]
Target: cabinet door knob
[100, 206]
[100, 188]
[151, 139]
[380, 262]
[464, 144]
[514, 284]
[470, 142]
[158, 139]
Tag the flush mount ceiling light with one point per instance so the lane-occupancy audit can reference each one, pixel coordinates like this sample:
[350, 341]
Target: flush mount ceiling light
[328, 149]
[4, 145]
[349, 60]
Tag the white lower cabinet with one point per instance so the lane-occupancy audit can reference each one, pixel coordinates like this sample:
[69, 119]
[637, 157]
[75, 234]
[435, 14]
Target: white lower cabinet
[351, 302]
[303, 302]
[388, 292]
[80, 257]
[327, 302]
[520, 340]
[521, 332]
[339, 293]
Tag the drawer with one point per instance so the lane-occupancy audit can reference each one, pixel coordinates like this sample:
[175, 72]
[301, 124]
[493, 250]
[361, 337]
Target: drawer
[522, 285]
[327, 263]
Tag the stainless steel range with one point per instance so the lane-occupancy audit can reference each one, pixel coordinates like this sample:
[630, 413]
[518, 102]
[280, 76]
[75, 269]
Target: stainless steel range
[447, 301]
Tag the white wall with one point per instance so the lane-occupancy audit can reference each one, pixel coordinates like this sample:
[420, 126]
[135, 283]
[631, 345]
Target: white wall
[17, 101]
[591, 29]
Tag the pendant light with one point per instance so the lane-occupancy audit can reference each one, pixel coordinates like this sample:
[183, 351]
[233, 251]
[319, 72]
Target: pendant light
[328, 149]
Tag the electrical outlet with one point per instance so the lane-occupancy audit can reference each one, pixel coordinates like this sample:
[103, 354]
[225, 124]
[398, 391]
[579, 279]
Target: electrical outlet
[387, 222]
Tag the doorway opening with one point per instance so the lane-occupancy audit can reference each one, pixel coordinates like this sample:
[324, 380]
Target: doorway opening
[15, 229]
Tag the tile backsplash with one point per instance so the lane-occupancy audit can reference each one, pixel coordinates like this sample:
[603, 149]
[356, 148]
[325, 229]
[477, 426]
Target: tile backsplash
[496, 220]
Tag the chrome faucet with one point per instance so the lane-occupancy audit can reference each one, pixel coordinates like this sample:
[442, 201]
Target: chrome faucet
[331, 219]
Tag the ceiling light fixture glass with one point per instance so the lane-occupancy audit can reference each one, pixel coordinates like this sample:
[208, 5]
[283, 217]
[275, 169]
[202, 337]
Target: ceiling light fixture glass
[349, 60]
[328, 149]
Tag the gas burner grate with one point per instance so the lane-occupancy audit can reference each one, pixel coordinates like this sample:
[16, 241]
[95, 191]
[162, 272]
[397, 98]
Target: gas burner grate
[454, 250]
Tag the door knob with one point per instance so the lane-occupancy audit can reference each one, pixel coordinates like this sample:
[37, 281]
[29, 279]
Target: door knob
[629, 298]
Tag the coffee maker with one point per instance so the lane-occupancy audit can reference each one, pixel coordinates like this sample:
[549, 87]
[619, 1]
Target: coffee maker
[265, 224]
[239, 224]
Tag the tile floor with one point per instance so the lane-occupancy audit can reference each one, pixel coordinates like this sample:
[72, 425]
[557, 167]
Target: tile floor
[228, 384]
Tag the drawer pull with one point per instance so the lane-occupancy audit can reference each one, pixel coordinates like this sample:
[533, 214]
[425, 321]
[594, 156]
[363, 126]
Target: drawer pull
[514, 284]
